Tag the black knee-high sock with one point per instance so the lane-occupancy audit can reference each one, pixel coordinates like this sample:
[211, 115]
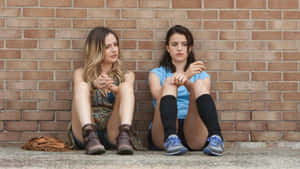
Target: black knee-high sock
[208, 113]
[168, 114]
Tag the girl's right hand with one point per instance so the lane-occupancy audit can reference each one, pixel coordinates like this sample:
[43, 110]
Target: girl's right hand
[103, 81]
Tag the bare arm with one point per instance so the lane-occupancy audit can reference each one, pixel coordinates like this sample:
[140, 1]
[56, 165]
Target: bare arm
[154, 84]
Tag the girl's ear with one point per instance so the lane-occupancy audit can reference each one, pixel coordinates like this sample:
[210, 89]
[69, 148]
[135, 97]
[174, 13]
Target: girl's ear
[167, 48]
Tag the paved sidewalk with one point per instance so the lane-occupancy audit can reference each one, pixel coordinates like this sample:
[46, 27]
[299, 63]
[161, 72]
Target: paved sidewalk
[263, 158]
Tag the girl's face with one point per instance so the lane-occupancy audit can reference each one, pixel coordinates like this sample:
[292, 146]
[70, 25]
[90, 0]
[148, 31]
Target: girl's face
[111, 49]
[178, 48]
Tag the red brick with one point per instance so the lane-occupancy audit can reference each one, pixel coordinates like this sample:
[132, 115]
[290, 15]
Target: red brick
[291, 76]
[234, 36]
[291, 96]
[169, 14]
[63, 75]
[1, 125]
[21, 84]
[10, 75]
[151, 45]
[279, 106]
[282, 67]
[10, 12]
[21, 105]
[38, 12]
[234, 14]
[21, 126]
[265, 96]
[202, 14]
[54, 105]
[265, 136]
[291, 136]
[10, 54]
[291, 15]
[283, 4]
[251, 25]
[7, 137]
[30, 75]
[283, 45]
[55, 65]
[251, 125]
[129, 55]
[219, 66]
[251, 45]
[77, 44]
[56, 3]
[53, 126]
[281, 125]
[143, 116]
[186, 4]
[253, 4]
[129, 65]
[39, 34]
[266, 36]
[22, 22]
[218, 45]
[22, 3]
[114, 24]
[250, 66]
[136, 13]
[141, 75]
[21, 43]
[232, 76]
[9, 95]
[63, 95]
[282, 25]
[10, 34]
[152, 24]
[57, 85]
[283, 86]
[236, 136]
[218, 3]
[128, 44]
[227, 126]
[218, 25]
[121, 3]
[250, 86]
[69, 54]
[63, 115]
[10, 115]
[55, 23]
[57, 44]
[89, 3]
[206, 55]
[38, 115]
[154, 4]
[235, 115]
[71, 13]
[266, 14]
[291, 35]
[266, 115]
[266, 76]
[291, 116]
[222, 86]
[36, 95]
[252, 106]
[103, 13]
[21, 65]
[71, 34]
[88, 23]
[233, 96]
[137, 35]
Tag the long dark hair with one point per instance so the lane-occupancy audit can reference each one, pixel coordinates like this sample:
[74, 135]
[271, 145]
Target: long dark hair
[166, 60]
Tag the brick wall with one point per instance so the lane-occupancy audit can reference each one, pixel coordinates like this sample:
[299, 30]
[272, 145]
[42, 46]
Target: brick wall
[251, 49]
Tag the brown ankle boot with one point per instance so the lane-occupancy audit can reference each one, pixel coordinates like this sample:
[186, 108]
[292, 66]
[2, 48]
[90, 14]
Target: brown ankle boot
[91, 140]
[123, 140]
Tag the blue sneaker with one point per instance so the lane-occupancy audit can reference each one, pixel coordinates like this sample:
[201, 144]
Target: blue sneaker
[215, 146]
[173, 146]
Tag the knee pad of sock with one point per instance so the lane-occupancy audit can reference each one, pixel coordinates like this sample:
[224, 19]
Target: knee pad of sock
[168, 106]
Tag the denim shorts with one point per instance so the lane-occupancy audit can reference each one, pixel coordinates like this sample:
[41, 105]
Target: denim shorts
[102, 134]
[180, 134]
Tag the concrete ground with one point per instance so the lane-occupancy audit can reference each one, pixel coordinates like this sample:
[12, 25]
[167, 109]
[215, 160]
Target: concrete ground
[258, 158]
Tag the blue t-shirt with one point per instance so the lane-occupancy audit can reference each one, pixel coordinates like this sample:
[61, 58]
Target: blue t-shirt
[182, 92]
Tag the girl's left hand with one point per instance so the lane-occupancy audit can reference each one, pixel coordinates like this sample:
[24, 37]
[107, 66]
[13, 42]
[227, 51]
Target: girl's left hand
[179, 79]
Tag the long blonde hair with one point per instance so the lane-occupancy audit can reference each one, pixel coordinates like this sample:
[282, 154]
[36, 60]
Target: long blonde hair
[94, 54]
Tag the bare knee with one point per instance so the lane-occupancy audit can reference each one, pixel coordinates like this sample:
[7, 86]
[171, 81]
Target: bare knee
[201, 87]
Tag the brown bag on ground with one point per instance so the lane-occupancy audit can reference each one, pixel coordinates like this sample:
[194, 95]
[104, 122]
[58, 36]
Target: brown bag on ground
[45, 143]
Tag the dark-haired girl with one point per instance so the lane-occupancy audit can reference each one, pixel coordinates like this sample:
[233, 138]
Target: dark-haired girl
[185, 114]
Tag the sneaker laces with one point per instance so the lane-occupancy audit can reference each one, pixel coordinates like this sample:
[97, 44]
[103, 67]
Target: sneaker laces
[214, 140]
[173, 140]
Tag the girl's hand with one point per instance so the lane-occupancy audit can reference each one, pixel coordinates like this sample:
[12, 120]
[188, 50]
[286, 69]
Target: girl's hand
[195, 68]
[113, 88]
[103, 81]
[179, 79]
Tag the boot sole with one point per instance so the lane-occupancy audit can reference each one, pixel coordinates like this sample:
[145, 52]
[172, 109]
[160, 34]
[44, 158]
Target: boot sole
[125, 151]
[96, 151]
